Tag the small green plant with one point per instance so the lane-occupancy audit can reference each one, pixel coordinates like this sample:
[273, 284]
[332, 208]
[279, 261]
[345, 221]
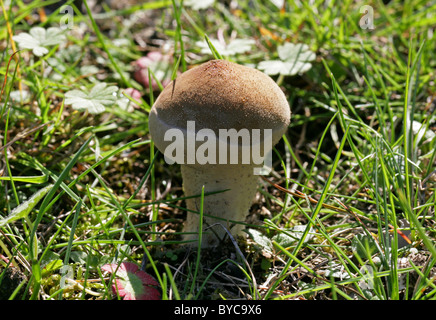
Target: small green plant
[38, 39]
[294, 59]
[232, 48]
[95, 100]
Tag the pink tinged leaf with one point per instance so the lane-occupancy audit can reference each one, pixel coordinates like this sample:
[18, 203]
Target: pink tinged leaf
[109, 267]
[146, 278]
[161, 66]
[135, 94]
[119, 286]
[132, 283]
[128, 267]
[150, 293]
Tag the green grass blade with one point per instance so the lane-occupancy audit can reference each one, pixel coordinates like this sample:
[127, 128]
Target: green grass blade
[214, 51]
[42, 211]
[70, 240]
[23, 210]
[103, 44]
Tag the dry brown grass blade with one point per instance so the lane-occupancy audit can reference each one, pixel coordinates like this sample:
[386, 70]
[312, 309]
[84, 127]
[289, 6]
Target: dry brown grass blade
[356, 216]
[302, 195]
[24, 134]
[14, 48]
[344, 208]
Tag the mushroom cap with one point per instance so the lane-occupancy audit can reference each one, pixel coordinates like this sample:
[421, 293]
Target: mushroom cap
[220, 95]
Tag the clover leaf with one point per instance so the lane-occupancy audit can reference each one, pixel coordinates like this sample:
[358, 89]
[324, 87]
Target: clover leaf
[197, 5]
[94, 101]
[39, 38]
[261, 240]
[293, 235]
[294, 58]
[233, 47]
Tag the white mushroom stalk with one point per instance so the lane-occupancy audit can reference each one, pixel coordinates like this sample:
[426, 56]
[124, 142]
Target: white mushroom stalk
[219, 121]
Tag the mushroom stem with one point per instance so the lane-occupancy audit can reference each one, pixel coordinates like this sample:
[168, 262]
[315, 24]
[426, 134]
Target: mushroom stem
[228, 206]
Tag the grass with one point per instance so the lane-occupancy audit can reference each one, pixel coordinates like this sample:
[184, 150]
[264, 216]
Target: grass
[348, 211]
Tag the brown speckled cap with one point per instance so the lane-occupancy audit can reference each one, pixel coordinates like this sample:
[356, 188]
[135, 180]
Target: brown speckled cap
[222, 95]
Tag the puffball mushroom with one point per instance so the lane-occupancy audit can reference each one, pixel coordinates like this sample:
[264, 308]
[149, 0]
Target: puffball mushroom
[209, 110]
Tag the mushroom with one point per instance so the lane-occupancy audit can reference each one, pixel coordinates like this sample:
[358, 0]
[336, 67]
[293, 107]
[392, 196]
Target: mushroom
[201, 121]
